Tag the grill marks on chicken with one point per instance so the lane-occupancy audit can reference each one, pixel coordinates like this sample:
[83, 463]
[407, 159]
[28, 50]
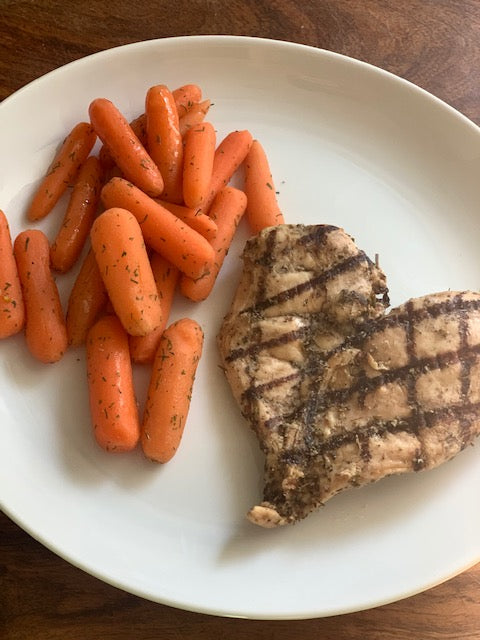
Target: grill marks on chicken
[338, 393]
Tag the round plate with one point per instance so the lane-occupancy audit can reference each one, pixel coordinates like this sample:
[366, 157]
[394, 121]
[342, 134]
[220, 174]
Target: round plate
[349, 145]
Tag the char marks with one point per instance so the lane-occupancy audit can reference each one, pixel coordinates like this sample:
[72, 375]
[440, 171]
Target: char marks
[338, 392]
[348, 264]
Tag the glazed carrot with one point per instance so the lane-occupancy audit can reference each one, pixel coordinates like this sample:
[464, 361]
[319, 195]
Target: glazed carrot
[124, 146]
[185, 97]
[45, 330]
[170, 389]
[113, 406]
[229, 155]
[195, 115]
[199, 151]
[138, 126]
[190, 252]
[164, 139]
[74, 151]
[202, 223]
[12, 309]
[262, 206]
[227, 210]
[87, 298]
[122, 258]
[79, 216]
[143, 348]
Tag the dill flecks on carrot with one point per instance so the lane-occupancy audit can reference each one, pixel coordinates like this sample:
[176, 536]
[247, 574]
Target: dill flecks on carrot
[122, 258]
[113, 406]
[164, 140]
[12, 309]
[62, 171]
[79, 216]
[45, 330]
[262, 205]
[124, 146]
[170, 389]
[227, 210]
[163, 231]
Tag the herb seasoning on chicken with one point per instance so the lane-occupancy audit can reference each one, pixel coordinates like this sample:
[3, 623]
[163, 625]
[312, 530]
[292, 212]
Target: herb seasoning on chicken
[339, 393]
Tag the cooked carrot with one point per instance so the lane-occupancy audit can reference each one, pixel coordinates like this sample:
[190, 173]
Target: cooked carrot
[62, 171]
[190, 252]
[143, 348]
[45, 331]
[138, 126]
[195, 115]
[122, 258]
[199, 221]
[113, 406]
[262, 205]
[198, 157]
[79, 216]
[164, 139]
[185, 97]
[87, 299]
[227, 210]
[124, 146]
[229, 155]
[12, 309]
[170, 389]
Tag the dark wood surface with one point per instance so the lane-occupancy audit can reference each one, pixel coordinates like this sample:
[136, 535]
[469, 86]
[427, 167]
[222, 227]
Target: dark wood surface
[433, 43]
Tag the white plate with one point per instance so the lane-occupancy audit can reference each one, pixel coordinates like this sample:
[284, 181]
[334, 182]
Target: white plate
[349, 144]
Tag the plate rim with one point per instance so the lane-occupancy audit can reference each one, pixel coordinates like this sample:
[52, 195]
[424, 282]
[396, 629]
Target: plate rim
[249, 39]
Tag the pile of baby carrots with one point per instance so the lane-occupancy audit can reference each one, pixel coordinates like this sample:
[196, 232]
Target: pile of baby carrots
[149, 214]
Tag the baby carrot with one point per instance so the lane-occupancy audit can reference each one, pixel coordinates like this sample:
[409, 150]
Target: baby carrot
[227, 209]
[202, 223]
[113, 406]
[122, 258]
[185, 97]
[74, 151]
[164, 139]
[45, 330]
[229, 155]
[262, 206]
[87, 298]
[170, 389]
[190, 252]
[12, 309]
[138, 127]
[79, 216]
[199, 151]
[195, 115]
[124, 146]
[143, 348]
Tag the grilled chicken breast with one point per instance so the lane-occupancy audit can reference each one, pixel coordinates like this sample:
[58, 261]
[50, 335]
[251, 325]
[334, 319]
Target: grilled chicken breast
[339, 393]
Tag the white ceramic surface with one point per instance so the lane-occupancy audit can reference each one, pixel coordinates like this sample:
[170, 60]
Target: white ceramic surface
[349, 145]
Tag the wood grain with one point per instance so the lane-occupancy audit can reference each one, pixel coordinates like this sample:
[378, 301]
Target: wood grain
[433, 43]
[42, 596]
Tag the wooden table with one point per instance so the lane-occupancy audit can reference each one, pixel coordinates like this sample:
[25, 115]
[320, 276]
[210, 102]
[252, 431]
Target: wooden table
[435, 44]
